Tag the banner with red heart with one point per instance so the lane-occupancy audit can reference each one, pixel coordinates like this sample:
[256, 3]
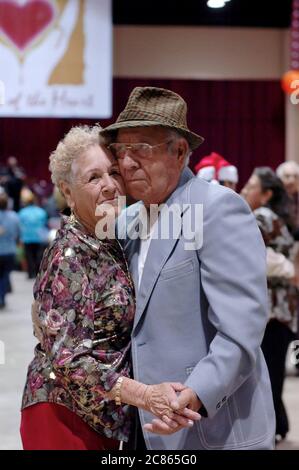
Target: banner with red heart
[55, 58]
[22, 24]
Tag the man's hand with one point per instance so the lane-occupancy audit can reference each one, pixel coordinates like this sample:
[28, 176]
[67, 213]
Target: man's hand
[187, 399]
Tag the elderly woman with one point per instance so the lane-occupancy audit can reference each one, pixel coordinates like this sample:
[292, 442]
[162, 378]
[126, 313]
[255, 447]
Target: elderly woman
[268, 199]
[78, 385]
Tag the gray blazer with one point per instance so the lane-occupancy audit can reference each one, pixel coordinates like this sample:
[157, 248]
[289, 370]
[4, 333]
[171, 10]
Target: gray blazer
[200, 319]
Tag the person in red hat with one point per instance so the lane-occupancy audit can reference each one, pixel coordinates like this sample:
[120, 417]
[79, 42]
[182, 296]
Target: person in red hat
[214, 168]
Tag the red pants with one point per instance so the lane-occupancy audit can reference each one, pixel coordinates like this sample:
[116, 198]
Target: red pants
[48, 426]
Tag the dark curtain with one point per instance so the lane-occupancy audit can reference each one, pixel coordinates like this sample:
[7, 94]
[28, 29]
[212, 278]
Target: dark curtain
[242, 120]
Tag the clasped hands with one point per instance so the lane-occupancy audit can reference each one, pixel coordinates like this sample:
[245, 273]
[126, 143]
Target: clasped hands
[173, 411]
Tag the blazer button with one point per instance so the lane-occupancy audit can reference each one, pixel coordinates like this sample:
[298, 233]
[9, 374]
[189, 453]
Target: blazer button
[223, 399]
[218, 406]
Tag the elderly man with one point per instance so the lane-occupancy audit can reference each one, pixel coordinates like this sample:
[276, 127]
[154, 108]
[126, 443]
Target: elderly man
[288, 172]
[201, 300]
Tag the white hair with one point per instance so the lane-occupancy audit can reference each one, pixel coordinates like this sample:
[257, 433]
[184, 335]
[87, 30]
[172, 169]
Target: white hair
[72, 146]
[280, 170]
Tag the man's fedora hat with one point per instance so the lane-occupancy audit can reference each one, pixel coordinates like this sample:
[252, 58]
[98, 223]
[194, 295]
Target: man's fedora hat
[150, 106]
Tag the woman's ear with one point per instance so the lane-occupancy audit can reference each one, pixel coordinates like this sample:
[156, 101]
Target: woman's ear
[67, 193]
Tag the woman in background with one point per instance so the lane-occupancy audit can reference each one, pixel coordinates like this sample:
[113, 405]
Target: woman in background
[268, 199]
[34, 231]
[9, 233]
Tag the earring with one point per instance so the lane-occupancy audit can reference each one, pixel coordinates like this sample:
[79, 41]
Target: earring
[72, 218]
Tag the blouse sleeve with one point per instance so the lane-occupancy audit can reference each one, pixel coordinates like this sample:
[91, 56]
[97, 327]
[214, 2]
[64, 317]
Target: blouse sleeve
[278, 265]
[66, 314]
[268, 224]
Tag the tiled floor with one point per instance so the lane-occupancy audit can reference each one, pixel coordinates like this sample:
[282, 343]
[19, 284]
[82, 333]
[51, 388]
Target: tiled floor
[15, 333]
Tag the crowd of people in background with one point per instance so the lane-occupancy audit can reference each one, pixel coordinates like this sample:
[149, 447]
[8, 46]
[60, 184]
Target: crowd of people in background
[30, 216]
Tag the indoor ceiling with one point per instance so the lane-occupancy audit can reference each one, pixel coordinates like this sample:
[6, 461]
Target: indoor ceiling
[247, 13]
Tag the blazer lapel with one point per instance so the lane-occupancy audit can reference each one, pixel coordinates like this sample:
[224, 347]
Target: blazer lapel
[159, 249]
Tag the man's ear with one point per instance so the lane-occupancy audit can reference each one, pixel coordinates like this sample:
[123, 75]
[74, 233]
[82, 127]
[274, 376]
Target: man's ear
[65, 188]
[183, 149]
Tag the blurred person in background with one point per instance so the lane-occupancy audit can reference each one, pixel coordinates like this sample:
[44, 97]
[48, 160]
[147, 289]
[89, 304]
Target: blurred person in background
[55, 206]
[214, 168]
[268, 198]
[34, 231]
[9, 233]
[12, 177]
[288, 172]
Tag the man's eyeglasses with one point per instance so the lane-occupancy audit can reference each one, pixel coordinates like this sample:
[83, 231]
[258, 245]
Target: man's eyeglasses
[139, 150]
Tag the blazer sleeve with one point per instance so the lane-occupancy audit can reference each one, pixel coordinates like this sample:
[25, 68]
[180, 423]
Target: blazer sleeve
[233, 277]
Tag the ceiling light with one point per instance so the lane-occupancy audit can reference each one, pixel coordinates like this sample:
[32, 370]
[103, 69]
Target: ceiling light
[216, 3]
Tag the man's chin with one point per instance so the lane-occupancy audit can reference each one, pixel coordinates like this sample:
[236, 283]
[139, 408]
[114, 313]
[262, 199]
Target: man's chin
[136, 189]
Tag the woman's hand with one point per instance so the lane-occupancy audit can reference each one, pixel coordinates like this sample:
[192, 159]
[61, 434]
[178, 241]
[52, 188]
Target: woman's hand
[184, 414]
[161, 399]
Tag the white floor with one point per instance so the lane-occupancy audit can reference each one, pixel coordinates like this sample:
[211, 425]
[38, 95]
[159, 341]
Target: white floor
[16, 335]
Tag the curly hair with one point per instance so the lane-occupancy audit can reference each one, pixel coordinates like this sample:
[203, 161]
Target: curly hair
[74, 143]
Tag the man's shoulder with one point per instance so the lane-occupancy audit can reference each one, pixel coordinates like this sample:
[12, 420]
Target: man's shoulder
[209, 192]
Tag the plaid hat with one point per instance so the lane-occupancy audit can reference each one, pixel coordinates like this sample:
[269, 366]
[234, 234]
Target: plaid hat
[150, 106]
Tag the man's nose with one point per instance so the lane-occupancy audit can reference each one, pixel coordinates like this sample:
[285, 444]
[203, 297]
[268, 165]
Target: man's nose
[128, 163]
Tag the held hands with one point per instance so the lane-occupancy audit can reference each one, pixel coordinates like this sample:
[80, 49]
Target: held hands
[173, 412]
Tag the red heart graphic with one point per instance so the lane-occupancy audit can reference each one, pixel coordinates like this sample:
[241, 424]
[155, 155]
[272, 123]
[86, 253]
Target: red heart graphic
[22, 24]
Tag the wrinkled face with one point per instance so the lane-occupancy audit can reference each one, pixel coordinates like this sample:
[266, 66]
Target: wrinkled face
[252, 192]
[290, 179]
[152, 175]
[95, 181]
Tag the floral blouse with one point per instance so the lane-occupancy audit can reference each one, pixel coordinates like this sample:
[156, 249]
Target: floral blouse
[283, 296]
[85, 316]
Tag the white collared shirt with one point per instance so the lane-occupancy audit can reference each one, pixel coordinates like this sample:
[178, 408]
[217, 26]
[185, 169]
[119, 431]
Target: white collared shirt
[143, 251]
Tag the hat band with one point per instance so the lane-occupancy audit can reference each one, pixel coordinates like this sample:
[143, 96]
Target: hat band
[151, 117]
